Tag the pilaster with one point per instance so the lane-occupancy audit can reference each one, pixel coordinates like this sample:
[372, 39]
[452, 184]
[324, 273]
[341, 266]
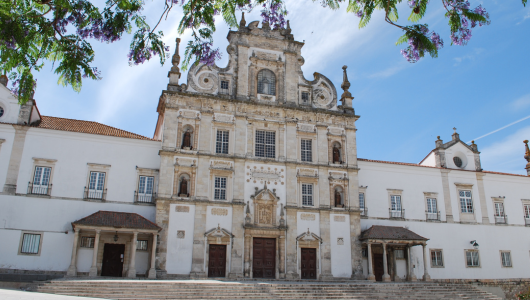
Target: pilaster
[10, 186]
[236, 268]
[325, 247]
[197, 260]
[291, 247]
[482, 197]
[447, 196]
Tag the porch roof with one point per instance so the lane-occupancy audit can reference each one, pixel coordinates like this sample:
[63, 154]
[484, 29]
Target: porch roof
[379, 232]
[117, 220]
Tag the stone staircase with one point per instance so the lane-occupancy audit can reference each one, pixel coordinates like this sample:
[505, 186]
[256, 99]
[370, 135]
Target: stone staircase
[212, 289]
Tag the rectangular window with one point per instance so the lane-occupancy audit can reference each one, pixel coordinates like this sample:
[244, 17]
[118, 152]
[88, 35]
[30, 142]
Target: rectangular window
[306, 153]
[220, 188]
[437, 258]
[305, 97]
[221, 143]
[527, 211]
[97, 181]
[431, 206]
[361, 202]
[399, 254]
[265, 144]
[365, 252]
[224, 85]
[466, 203]
[145, 189]
[30, 243]
[87, 242]
[506, 258]
[472, 258]
[307, 194]
[141, 245]
[395, 202]
[41, 180]
[499, 209]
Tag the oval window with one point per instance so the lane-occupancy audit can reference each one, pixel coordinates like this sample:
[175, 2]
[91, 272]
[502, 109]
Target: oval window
[1, 111]
[457, 161]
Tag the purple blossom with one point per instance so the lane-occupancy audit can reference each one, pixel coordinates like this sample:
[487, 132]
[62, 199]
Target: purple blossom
[359, 13]
[273, 14]
[206, 54]
[462, 35]
[412, 3]
[436, 40]
[412, 52]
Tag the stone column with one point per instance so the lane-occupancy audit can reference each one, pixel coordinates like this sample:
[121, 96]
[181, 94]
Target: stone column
[426, 276]
[292, 251]
[248, 240]
[386, 277]
[72, 270]
[152, 271]
[356, 247]
[250, 139]
[325, 248]
[281, 248]
[410, 273]
[371, 276]
[10, 186]
[447, 196]
[94, 269]
[197, 261]
[238, 247]
[132, 263]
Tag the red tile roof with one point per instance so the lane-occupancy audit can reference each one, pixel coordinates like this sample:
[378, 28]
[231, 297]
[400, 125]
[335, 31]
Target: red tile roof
[117, 219]
[86, 127]
[378, 232]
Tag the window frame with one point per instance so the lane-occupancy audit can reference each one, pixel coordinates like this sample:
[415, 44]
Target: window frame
[21, 244]
[394, 206]
[467, 201]
[305, 101]
[145, 194]
[101, 168]
[466, 251]
[139, 242]
[310, 196]
[83, 242]
[222, 144]
[441, 258]
[363, 206]
[502, 252]
[401, 251]
[42, 163]
[526, 210]
[266, 143]
[272, 87]
[221, 189]
[306, 155]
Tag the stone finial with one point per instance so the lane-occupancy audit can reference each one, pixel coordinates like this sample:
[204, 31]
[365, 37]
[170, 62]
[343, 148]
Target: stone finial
[243, 22]
[247, 218]
[474, 146]
[176, 58]
[282, 220]
[174, 73]
[455, 135]
[527, 157]
[439, 143]
[4, 80]
[346, 97]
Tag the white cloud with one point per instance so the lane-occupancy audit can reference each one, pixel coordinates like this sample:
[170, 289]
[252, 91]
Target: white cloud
[476, 52]
[507, 154]
[524, 18]
[521, 103]
[389, 71]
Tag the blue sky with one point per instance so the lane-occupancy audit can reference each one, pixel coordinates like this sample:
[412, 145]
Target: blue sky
[478, 88]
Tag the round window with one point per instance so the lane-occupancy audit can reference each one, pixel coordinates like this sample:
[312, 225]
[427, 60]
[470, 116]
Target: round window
[457, 161]
[1, 111]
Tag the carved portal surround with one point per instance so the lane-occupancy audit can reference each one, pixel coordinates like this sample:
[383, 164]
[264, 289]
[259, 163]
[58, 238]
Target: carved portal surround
[218, 236]
[265, 225]
[185, 168]
[308, 240]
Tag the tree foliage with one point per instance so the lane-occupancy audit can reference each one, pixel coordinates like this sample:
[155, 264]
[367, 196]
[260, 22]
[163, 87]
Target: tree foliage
[61, 32]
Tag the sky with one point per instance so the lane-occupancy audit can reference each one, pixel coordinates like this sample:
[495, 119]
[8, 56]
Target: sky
[480, 88]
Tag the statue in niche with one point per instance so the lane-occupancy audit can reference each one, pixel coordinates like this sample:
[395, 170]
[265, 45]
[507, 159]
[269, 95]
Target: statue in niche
[336, 155]
[184, 188]
[338, 199]
[186, 141]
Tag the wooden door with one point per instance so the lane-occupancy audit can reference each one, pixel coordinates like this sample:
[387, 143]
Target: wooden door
[217, 261]
[309, 263]
[264, 258]
[378, 267]
[113, 255]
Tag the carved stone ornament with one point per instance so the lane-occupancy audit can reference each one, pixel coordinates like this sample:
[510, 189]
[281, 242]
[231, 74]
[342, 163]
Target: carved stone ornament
[183, 209]
[308, 236]
[272, 175]
[218, 235]
[306, 127]
[220, 164]
[223, 118]
[339, 218]
[335, 131]
[219, 211]
[265, 204]
[307, 217]
[189, 114]
[304, 172]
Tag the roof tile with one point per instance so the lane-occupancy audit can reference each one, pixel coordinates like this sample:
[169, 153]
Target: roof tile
[118, 220]
[390, 233]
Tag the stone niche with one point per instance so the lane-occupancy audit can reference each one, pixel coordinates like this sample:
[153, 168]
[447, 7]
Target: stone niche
[265, 206]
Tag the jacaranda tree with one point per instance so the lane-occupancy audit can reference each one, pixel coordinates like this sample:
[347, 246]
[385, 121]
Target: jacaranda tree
[60, 32]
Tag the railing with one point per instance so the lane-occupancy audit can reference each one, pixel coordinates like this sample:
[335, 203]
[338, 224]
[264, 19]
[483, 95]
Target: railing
[95, 194]
[432, 216]
[39, 189]
[364, 212]
[501, 219]
[144, 198]
[396, 214]
[527, 221]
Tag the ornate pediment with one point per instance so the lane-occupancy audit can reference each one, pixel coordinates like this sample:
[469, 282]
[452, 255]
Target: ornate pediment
[265, 207]
[218, 235]
[308, 237]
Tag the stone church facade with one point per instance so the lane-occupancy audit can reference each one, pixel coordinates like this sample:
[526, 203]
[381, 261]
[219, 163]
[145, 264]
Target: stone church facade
[252, 173]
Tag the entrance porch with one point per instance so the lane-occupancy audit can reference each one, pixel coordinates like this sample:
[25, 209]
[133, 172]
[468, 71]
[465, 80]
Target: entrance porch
[385, 245]
[115, 238]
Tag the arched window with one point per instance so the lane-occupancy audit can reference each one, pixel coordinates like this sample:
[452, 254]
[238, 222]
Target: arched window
[266, 82]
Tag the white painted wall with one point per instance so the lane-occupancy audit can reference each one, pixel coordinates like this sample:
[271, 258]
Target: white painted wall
[466, 155]
[179, 251]
[7, 132]
[340, 265]
[303, 225]
[10, 105]
[52, 217]
[74, 150]
[213, 220]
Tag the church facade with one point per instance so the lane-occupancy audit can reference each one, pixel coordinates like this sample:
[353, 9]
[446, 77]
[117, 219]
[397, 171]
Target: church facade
[252, 173]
